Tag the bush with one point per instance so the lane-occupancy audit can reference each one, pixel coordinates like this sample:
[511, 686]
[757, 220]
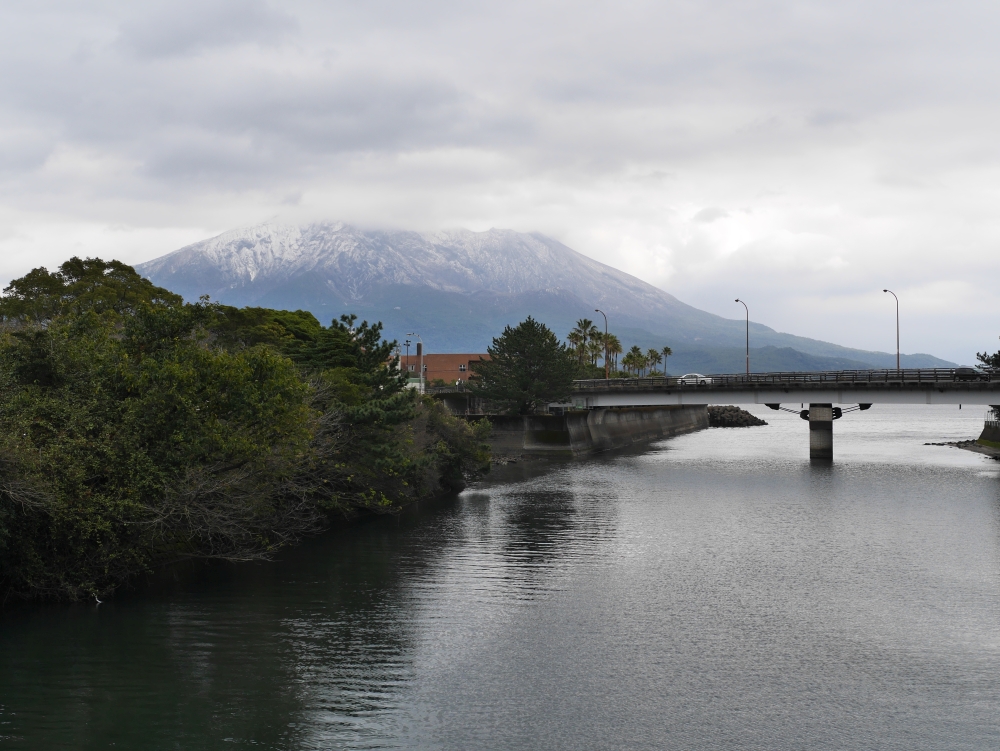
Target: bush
[136, 431]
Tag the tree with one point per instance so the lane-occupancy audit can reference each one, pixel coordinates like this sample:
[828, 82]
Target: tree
[583, 327]
[614, 349]
[527, 369]
[653, 357]
[987, 360]
[127, 446]
[136, 430]
[666, 353]
[577, 344]
[636, 360]
[595, 349]
[105, 287]
[582, 336]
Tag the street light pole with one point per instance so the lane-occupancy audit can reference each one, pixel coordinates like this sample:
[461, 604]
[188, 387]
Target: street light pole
[598, 310]
[897, 326]
[748, 332]
[420, 351]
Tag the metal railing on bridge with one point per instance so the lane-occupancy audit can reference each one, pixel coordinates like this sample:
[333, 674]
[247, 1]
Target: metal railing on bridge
[889, 375]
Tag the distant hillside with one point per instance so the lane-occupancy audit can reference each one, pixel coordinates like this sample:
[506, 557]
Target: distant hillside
[458, 289]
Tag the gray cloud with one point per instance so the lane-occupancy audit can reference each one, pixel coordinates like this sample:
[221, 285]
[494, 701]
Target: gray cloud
[173, 29]
[774, 146]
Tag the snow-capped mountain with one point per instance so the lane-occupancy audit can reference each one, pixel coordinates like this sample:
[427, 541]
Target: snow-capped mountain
[248, 265]
[459, 288]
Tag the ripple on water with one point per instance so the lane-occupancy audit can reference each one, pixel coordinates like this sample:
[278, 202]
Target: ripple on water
[716, 591]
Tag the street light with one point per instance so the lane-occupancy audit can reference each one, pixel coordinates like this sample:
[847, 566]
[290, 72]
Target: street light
[420, 354]
[598, 310]
[897, 326]
[748, 332]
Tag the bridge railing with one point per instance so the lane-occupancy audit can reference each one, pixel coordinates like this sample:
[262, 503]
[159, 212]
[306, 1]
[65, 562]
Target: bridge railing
[888, 375]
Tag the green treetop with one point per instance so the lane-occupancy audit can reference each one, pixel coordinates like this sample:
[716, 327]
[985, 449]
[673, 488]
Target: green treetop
[527, 369]
[78, 286]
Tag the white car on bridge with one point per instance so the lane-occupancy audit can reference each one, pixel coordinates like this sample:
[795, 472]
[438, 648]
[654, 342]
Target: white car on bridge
[694, 379]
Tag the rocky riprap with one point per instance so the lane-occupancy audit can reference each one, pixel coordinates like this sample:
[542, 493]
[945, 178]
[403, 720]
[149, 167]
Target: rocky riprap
[972, 445]
[732, 417]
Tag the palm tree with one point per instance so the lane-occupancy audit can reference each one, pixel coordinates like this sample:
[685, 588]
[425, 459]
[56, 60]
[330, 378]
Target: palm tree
[594, 334]
[666, 353]
[654, 358]
[580, 336]
[583, 328]
[635, 359]
[576, 340]
[595, 348]
[628, 362]
[614, 349]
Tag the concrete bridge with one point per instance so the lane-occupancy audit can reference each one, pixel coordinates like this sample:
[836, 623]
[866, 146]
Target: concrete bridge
[821, 391]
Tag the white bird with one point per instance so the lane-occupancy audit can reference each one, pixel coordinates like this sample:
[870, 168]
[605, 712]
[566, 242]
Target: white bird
[99, 600]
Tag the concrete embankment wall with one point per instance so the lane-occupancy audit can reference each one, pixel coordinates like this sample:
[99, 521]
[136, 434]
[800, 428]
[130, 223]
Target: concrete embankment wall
[991, 428]
[585, 431]
[990, 435]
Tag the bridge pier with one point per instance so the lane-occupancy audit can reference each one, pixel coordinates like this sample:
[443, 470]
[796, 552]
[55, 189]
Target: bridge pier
[821, 432]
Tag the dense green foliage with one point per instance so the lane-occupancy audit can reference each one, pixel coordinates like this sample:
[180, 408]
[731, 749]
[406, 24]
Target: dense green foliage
[108, 288]
[137, 430]
[528, 368]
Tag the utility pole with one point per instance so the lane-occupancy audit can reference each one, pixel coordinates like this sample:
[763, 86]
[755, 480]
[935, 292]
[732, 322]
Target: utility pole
[897, 326]
[420, 354]
[598, 310]
[748, 332]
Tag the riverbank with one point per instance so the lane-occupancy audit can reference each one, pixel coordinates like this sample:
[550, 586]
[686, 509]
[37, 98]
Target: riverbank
[587, 431]
[972, 445]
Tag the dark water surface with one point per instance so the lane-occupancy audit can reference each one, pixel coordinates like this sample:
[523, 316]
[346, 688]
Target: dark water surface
[713, 592]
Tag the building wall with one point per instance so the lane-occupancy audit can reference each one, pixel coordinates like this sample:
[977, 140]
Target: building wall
[448, 368]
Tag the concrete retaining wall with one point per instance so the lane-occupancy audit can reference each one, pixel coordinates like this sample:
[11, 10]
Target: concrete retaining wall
[991, 427]
[991, 434]
[585, 431]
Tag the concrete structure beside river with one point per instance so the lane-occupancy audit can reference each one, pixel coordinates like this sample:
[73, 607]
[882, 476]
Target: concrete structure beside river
[616, 412]
[586, 431]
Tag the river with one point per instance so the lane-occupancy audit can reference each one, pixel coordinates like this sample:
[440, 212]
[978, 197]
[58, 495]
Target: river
[713, 591]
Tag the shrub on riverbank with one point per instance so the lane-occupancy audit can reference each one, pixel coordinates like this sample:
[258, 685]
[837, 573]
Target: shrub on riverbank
[136, 430]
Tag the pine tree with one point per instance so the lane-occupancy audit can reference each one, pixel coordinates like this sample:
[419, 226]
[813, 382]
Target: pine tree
[527, 369]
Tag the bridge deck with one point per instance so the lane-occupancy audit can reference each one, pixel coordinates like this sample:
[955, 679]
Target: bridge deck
[911, 386]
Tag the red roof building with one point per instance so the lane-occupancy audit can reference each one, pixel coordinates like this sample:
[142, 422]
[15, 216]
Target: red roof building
[451, 369]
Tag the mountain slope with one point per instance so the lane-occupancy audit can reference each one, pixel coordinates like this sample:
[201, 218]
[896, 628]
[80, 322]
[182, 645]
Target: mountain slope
[459, 288]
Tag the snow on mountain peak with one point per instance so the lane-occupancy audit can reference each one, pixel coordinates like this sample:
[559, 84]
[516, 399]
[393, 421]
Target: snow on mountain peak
[351, 262]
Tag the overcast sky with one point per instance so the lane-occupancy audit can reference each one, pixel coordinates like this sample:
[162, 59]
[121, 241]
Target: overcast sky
[801, 156]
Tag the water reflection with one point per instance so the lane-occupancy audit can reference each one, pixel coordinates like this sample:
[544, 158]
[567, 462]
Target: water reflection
[717, 591]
